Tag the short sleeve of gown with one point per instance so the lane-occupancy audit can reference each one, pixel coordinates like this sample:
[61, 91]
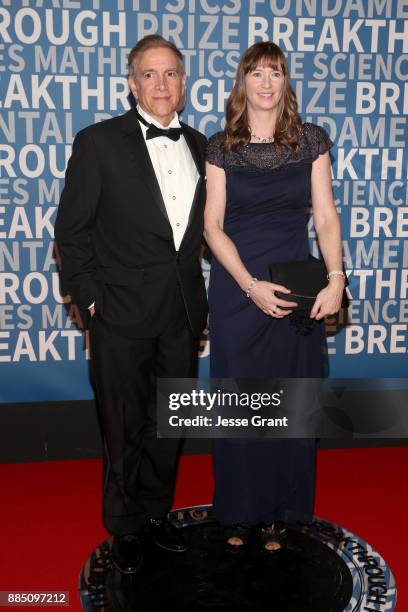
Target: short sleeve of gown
[318, 139]
[215, 155]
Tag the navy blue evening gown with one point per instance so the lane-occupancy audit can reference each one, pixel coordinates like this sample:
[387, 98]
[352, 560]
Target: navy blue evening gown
[267, 211]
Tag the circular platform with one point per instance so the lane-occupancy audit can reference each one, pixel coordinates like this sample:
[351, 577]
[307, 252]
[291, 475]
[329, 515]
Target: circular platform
[322, 568]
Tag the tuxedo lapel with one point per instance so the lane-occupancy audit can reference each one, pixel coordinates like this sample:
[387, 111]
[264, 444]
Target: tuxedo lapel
[199, 161]
[140, 158]
[194, 150]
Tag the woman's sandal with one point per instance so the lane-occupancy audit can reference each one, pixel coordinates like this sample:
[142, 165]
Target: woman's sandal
[237, 537]
[273, 537]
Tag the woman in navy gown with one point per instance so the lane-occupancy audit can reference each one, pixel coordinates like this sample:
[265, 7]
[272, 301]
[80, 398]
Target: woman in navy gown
[262, 171]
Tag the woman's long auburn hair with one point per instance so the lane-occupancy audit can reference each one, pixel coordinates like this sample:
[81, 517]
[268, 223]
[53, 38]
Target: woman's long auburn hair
[288, 123]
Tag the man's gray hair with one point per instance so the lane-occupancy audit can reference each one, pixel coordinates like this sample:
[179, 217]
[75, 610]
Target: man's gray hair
[153, 41]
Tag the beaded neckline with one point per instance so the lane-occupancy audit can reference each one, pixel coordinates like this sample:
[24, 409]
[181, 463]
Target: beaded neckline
[259, 156]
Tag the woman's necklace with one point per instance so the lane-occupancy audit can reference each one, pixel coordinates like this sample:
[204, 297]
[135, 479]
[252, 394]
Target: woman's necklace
[266, 139]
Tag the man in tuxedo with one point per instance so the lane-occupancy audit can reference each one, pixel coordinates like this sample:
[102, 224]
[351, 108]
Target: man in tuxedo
[129, 230]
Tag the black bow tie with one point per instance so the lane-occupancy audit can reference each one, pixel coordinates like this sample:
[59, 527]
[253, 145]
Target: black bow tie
[154, 132]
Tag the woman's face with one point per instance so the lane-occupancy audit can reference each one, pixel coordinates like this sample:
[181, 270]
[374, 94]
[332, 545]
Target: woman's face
[264, 87]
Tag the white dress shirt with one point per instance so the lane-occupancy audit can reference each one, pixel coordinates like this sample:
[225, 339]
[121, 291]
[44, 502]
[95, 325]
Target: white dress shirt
[176, 174]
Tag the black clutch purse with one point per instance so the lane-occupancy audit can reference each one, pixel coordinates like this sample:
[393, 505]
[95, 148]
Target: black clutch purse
[305, 279]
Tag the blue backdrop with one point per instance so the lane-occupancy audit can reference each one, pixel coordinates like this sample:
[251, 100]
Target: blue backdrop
[63, 66]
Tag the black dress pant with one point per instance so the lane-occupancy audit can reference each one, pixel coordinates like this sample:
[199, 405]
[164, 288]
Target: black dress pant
[139, 469]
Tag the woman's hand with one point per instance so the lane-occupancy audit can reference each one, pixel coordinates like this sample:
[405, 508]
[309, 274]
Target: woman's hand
[328, 300]
[262, 294]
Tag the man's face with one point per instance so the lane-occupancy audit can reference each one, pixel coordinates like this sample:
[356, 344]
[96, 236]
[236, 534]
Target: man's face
[158, 83]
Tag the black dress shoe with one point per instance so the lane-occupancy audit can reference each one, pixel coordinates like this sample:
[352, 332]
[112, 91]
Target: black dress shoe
[165, 535]
[126, 554]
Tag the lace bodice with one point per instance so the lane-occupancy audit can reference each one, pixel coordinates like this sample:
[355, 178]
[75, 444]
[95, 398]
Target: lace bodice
[313, 142]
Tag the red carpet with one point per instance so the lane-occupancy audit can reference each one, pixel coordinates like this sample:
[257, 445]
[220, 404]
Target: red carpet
[51, 519]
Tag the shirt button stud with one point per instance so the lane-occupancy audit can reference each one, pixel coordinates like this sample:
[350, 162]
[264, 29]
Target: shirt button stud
[174, 197]
[169, 171]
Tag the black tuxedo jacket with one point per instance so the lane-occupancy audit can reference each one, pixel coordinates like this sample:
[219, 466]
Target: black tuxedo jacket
[114, 237]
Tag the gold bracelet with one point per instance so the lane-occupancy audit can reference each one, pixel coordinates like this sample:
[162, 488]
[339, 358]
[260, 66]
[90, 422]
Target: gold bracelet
[251, 284]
